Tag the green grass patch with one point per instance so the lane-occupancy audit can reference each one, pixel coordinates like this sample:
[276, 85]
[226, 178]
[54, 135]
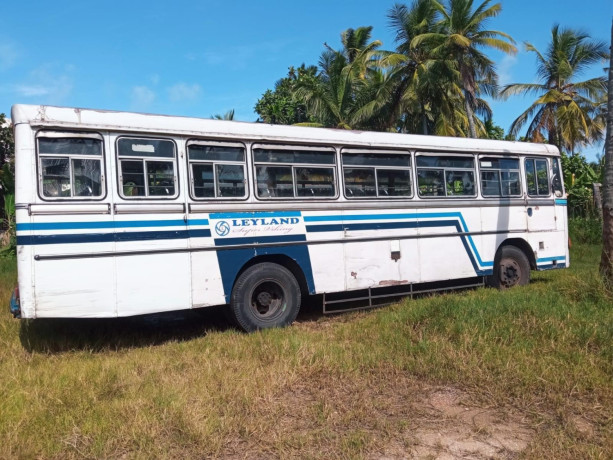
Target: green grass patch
[341, 386]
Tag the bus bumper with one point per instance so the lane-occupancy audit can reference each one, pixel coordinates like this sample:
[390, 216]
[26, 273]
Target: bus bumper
[14, 305]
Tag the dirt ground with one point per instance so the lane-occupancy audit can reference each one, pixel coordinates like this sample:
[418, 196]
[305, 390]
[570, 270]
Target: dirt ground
[449, 428]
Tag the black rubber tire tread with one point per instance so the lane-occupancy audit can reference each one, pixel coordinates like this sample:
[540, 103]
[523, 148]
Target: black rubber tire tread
[240, 308]
[517, 255]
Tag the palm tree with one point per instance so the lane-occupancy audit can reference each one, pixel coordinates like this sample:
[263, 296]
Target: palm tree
[229, 115]
[460, 39]
[606, 261]
[353, 41]
[565, 112]
[418, 77]
[349, 89]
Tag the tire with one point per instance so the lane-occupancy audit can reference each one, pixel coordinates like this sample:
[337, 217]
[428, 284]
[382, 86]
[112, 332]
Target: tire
[265, 295]
[511, 268]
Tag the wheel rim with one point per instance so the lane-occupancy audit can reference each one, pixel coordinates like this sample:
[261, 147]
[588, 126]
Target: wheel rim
[268, 300]
[510, 272]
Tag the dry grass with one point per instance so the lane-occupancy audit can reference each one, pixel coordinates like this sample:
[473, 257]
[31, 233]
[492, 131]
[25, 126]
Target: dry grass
[480, 373]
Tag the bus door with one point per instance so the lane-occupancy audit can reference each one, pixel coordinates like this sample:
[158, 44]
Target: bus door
[152, 257]
[540, 208]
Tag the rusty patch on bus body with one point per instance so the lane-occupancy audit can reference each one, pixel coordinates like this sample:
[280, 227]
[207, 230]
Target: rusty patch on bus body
[392, 282]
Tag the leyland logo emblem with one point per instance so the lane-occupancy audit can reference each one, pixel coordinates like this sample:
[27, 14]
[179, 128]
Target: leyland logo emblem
[222, 228]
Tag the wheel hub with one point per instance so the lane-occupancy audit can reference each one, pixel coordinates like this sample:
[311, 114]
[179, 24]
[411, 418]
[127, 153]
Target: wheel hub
[510, 272]
[264, 299]
[267, 299]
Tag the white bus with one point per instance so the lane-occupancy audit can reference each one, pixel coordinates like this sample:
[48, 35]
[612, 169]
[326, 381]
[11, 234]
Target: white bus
[123, 214]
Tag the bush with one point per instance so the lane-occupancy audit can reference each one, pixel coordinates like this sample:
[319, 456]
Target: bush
[585, 230]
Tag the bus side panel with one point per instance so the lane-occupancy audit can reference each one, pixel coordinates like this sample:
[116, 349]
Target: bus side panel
[454, 254]
[327, 258]
[327, 261]
[75, 288]
[496, 218]
[207, 285]
[153, 283]
[379, 262]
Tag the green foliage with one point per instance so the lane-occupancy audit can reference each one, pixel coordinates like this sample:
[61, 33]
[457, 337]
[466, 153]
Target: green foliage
[281, 106]
[7, 185]
[229, 115]
[579, 175]
[461, 38]
[493, 131]
[8, 241]
[351, 87]
[567, 112]
[585, 230]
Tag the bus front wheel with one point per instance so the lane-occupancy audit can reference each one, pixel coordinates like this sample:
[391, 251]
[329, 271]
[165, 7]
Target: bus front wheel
[265, 295]
[510, 269]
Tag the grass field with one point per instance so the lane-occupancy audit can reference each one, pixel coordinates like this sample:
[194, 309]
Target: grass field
[396, 382]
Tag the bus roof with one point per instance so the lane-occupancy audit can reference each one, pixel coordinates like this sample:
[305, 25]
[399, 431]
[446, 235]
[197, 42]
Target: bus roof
[106, 120]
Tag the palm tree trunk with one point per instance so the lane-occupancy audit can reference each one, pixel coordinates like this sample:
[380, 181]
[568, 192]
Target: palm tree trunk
[424, 120]
[469, 114]
[606, 261]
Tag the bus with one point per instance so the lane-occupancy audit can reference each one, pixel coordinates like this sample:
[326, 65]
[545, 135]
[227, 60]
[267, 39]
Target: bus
[121, 214]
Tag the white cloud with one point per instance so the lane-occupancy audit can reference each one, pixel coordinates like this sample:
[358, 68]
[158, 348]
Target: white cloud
[505, 68]
[8, 55]
[183, 92]
[142, 97]
[48, 83]
[31, 90]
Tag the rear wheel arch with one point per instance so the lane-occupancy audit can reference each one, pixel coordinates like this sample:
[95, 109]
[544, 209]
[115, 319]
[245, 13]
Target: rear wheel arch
[523, 246]
[512, 264]
[284, 261]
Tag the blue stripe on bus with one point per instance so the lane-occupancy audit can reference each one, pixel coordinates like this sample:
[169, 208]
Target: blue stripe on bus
[259, 240]
[550, 266]
[550, 259]
[340, 227]
[108, 224]
[257, 214]
[109, 237]
[561, 201]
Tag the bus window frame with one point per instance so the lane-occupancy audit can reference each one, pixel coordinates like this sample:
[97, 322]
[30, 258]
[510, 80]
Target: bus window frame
[476, 183]
[519, 170]
[54, 133]
[375, 151]
[144, 158]
[548, 170]
[212, 142]
[310, 147]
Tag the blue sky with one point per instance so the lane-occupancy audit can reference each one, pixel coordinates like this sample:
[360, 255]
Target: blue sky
[202, 58]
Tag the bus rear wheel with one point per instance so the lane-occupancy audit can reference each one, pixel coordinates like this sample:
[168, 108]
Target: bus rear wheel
[265, 295]
[511, 268]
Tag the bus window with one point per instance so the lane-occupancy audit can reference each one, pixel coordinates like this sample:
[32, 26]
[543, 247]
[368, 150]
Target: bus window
[499, 177]
[374, 174]
[70, 167]
[556, 178]
[537, 177]
[294, 172]
[217, 170]
[147, 167]
[445, 176]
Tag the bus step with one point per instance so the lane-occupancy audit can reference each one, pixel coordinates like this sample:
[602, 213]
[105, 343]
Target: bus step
[364, 299]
